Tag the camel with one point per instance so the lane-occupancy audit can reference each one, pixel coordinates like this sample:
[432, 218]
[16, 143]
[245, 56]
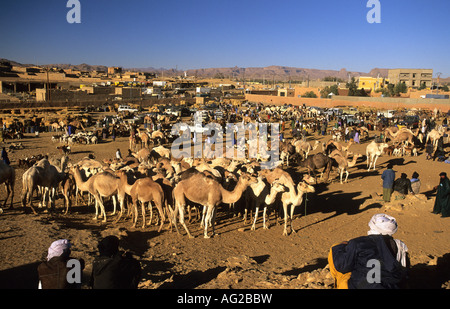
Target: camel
[43, 175]
[404, 137]
[269, 199]
[343, 163]
[125, 186]
[331, 145]
[67, 188]
[317, 161]
[286, 150]
[8, 177]
[134, 142]
[254, 196]
[102, 185]
[399, 135]
[277, 174]
[293, 199]
[373, 151]
[304, 148]
[157, 136]
[211, 195]
[146, 190]
[81, 185]
[434, 135]
[145, 139]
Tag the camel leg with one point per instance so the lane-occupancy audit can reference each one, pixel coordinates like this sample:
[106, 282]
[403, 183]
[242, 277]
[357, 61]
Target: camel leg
[121, 206]
[375, 162]
[12, 195]
[8, 191]
[114, 203]
[143, 213]
[266, 227]
[99, 205]
[290, 219]
[256, 218]
[134, 212]
[158, 205]
[209, 218]
[285, 233]
[181, 210]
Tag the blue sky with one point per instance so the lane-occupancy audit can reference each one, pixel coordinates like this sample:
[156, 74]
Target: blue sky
[193, 34]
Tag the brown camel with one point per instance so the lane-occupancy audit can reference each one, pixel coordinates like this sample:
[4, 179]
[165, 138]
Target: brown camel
[103, 185]
[343, 163]
[81, 185]
[146, 190]
[8, 177]
[45, 176]
[145, 139]
[68, 188]
[317, 161]
[211, 195]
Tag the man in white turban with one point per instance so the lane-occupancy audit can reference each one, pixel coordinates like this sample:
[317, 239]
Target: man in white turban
[53, 271]
[382, 224]
[373, 261]
[59, 248]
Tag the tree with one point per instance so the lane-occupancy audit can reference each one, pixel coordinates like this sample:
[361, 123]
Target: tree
[400, 88]
[352, 87]
[422, 86]
[327, 90]
[310, 94]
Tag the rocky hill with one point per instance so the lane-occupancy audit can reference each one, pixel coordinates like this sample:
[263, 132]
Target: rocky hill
[268, 73]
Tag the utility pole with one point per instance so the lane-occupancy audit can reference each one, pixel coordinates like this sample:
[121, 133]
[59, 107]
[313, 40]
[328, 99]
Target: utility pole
[48, 86]
[438, 81]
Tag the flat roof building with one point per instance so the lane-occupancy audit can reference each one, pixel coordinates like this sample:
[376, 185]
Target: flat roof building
[413, 78]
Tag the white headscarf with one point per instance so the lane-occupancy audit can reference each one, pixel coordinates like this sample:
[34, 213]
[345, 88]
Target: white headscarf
[386, 225]
[57, 248]
[382, 224]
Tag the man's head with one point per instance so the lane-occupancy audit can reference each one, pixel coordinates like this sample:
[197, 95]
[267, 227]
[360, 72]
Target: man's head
[60, 248]
[382, 224]
[108, 246]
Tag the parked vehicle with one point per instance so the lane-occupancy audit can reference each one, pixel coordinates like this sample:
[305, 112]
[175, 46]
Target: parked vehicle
[126, 108]
[386, 114]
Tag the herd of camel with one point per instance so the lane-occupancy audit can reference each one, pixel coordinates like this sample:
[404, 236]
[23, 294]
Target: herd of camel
[151, 178]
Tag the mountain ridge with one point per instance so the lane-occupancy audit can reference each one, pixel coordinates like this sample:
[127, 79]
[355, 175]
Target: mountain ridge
[277, 72]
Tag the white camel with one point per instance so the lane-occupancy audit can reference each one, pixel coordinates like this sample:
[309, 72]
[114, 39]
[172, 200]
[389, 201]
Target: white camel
[373, 151]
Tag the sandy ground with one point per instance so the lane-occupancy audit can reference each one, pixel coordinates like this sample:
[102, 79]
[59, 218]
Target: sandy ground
[236, 257]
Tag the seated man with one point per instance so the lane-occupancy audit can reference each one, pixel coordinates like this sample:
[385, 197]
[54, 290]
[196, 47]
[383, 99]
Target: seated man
[403, 185]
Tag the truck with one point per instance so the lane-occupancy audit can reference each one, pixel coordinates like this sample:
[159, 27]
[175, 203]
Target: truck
[386, 114]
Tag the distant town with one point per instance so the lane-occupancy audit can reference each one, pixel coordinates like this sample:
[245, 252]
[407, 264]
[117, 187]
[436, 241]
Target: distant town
[113, 85]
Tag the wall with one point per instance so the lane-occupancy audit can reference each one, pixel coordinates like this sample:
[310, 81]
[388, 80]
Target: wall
[378, 103]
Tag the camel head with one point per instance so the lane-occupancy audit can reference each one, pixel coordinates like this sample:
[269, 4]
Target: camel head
[279, 187]
[304, 187]
[382, 146]
[308, 179]
[230, 177]
[247, 179]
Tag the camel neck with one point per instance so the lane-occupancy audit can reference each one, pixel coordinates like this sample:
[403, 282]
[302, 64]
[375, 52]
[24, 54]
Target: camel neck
[233, 196]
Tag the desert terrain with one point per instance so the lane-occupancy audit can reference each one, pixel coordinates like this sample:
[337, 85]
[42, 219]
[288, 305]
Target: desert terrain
[236, 257]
